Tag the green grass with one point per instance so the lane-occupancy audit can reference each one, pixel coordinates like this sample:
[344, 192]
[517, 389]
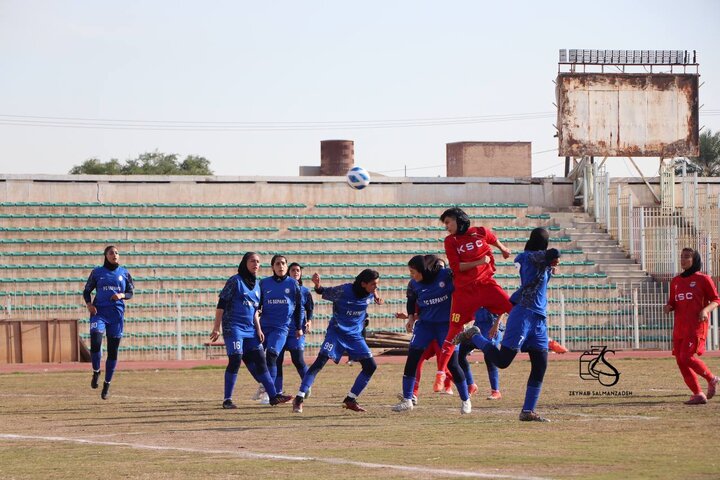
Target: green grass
[649, 434]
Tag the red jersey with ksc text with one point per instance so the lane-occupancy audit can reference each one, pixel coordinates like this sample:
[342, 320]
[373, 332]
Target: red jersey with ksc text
[469, 247]
[689, 295]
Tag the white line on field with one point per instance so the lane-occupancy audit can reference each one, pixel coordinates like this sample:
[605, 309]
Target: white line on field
[269, 456]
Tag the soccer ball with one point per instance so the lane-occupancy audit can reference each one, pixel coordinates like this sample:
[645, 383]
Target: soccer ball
[358, 178]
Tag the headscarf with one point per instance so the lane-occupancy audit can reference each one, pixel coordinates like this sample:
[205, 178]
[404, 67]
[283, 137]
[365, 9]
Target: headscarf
[461, 218]
[272, 264]
[295, 264]
[426, 265]
[696, 265]
[366, 276]
[539, 238]
[248, 277]
[106, 263]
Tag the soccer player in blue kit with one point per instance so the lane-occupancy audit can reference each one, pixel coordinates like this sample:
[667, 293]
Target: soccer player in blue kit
[237, 310]
[295, 344]
[344, 334]
[432, 287]
[281, 307]
[113, 285]
[526, 328]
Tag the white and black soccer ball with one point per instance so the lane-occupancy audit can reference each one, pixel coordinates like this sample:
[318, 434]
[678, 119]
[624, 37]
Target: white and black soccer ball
[358, 178]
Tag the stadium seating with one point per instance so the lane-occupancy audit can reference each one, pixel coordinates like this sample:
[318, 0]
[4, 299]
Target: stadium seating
[180, 255]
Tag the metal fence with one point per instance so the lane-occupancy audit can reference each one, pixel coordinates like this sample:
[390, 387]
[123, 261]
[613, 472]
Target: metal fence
[654, 236]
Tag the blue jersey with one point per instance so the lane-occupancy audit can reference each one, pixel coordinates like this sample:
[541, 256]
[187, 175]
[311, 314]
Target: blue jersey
[433, 299]
[241, 303]
[349, 311]
[281, 302]
[535, 272]
[107, 283]
[308, 305]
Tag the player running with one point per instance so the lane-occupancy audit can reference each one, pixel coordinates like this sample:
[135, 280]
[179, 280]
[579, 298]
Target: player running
[693, 297]
[281, 307]
[526, 328]
[237, 310]
[296, 345]
[344, 334]
[113, 285]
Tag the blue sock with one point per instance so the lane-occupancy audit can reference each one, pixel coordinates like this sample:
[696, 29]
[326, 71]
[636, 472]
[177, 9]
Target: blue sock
[462, 390]
[279, 383]
[307, 381]
[408, 385]
[469, 380]
[95, 357]
[480, 341]
[532, 394]
[109, 369]
[230, 379]
[360, 383]
[493, 376]
[268, 383]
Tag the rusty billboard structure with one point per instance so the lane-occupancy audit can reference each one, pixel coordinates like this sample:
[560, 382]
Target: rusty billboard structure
[606, 110]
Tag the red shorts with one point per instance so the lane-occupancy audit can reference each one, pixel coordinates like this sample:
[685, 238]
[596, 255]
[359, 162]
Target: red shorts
[686, 347]
[467, 299]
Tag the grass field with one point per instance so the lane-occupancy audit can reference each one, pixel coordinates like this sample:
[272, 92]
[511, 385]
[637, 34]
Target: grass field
[169, 424]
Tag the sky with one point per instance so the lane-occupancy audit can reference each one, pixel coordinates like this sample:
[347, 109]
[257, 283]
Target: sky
[254, 87]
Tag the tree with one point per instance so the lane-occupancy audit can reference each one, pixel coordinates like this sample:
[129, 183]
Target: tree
[148, 163]
[708, 163]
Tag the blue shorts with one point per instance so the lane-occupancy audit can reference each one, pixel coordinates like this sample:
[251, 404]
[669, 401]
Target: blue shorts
[336, 343]
[275, 338]
[293, 343]
[109, 321]
[237, 344]
[485, 325]
[425, 332]
[525, 330]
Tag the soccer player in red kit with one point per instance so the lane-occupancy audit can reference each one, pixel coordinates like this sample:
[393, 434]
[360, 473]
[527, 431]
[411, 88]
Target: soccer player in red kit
[473, 265]
[693, 297]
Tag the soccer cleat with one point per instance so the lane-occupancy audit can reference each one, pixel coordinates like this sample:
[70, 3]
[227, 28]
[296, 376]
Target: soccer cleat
[278, 399]
[557, 347]
[699, 399]
[297, 404]
[258, 393]
[530, 416]
[438, 385]
[414, 398]
[265, 399]
[404, 406]
[96, 376]
[447, 391]
[105, 391]
[307, 394]
[494, 395]
[465, 407]
[466, 335]
[228, 404]
[712, 387]
[352, 404]
[473, 389]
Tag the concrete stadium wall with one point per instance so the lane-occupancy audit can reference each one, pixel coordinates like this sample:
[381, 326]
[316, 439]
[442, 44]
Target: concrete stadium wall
[550, 193]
